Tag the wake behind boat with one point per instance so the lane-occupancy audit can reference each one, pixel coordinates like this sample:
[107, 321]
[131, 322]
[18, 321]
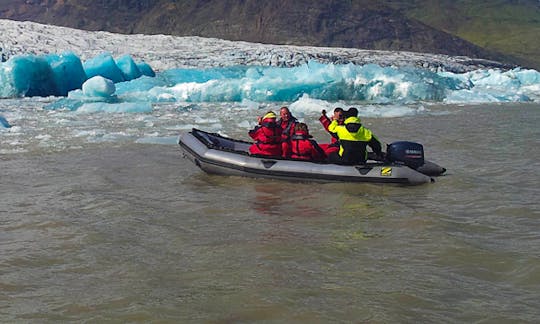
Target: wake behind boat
[216, 154]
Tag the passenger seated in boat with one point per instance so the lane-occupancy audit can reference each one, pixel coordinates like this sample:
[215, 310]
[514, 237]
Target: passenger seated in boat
[287, 122]
[325, 121]
[353, 140]
[267, 136]
[302, 146]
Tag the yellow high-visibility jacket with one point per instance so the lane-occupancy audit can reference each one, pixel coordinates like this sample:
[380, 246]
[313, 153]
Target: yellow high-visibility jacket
[354, 139]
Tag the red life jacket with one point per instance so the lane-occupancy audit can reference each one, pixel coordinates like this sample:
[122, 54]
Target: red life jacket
[287, 128]
[303, 148]
[267, 138]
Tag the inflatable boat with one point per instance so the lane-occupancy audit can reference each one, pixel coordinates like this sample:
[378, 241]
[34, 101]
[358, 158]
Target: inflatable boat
[216, 154]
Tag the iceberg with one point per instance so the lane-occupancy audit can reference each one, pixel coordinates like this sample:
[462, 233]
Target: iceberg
[26, 76]
[105, 66]
[98, 86]
[57, 75]
[146, 69]
[4, 123]
[370, 84]
[61, 75]
[128, 67]
[98, 90]
[68, 72]
[332, 82]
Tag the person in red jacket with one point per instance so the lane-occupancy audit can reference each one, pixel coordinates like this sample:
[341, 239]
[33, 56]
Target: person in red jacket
[267, 136]
[287, 122]
[302, 147]
[339, 115]
[325, 121]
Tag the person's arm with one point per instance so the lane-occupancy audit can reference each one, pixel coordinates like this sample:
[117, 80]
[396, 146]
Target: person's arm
[254, 133]
[332, 128]
[375, 145]
[325, 121]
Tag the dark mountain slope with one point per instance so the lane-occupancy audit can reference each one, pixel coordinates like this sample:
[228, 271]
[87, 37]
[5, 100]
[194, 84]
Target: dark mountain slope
[354, 23]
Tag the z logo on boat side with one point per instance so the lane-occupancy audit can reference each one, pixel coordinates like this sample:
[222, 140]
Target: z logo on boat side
[386, 171]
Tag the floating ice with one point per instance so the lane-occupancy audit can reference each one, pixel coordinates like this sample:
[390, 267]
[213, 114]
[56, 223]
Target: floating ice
[306, 105]
[98, 86]
[30, 75]
[56, 75]
[4, 123]
[105, 66]
[332, 82]
[68, 72]
[128, 67]
[41, 75]
[122, 107]
[315, 86]
[146, 69]
[515, 85]
[26, 75]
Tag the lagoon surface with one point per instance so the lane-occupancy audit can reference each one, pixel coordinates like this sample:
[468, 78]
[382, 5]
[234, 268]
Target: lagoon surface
[102, 220]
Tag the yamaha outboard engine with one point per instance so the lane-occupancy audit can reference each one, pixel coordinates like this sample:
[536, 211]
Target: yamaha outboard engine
[409, 153]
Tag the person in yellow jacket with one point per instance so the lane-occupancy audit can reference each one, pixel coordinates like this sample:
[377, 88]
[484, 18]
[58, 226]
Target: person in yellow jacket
[353, 140]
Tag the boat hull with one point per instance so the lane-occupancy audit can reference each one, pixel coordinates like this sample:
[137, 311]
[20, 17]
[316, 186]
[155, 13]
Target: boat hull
[219, 155]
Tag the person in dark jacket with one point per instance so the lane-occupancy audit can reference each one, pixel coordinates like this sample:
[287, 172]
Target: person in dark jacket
[302, 146]
[353, 139]
[267, 136]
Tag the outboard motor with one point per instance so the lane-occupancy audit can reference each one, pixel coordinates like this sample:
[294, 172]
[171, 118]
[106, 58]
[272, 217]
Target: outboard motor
[409, 153]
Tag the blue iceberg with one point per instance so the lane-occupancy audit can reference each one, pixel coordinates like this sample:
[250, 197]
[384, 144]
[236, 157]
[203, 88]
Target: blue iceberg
[56, 75]
[128, 67]
[27, 75]
[105, 66]
[137, 82]
[146, 69]
[68, 72]
[4, 123]
[31, 75]
[333, 82]
[371, 84]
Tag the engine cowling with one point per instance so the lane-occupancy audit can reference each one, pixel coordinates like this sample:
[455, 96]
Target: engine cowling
[409, 153]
